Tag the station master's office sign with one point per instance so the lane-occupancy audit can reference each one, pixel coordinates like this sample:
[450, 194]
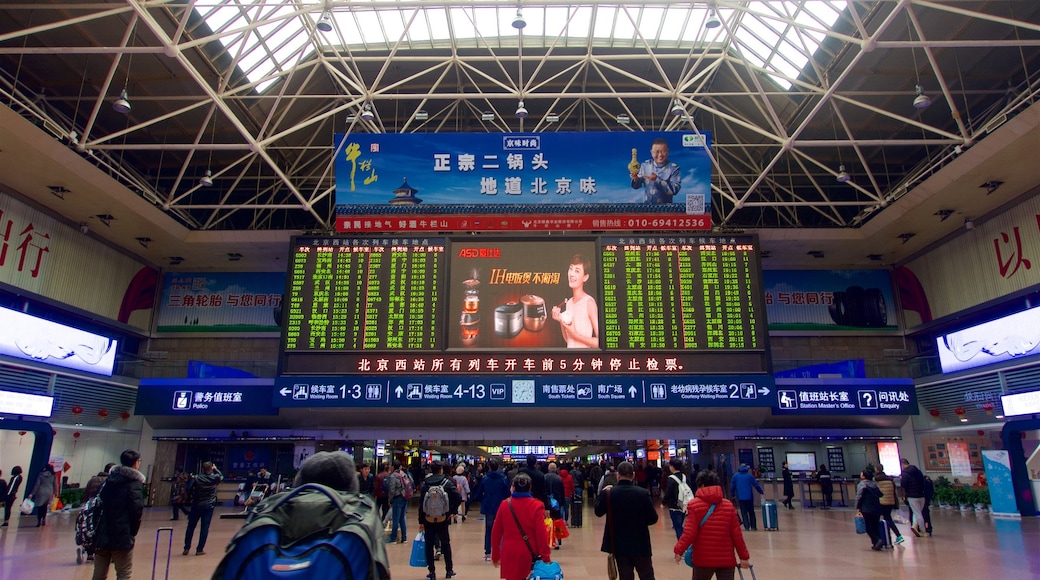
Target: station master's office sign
[845, 397]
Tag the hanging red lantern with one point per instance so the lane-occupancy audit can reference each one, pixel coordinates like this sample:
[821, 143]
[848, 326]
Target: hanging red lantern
[988, 408]
[76, 411]
[20, 435]
[981, 432]
[960, 412]
[103, 413]
[934, 413]
[76, 435]
[125, 415]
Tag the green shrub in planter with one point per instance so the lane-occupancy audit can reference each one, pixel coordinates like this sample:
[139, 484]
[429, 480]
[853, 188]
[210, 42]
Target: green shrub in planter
[72, 497]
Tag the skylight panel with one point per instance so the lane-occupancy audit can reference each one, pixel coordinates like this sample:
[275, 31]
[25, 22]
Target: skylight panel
[371, 32]
[461, 24]
[674, 25]
[604, 26]
[624, 29]
[650, 24]
[390, 22]
[438, 21]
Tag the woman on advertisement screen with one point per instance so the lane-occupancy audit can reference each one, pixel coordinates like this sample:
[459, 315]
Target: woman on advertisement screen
[577, 315]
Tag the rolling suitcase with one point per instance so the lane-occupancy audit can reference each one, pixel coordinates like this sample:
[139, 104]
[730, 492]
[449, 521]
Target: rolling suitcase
[769, 517]
[169, 552]
[751, 568]
[886, 541]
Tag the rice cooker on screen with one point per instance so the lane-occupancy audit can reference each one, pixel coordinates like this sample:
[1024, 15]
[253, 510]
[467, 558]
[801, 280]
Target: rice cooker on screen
[530, 294]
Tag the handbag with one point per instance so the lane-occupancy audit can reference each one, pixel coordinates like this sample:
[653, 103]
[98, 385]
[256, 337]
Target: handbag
[612, 571]
[688, 554]
[418, 559]
[27, 506]
[546, 571]
[535, 557]
[861, 525]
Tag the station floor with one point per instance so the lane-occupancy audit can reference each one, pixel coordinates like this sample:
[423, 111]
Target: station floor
[811, 543]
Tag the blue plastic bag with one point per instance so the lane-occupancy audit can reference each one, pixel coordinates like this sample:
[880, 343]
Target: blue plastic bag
[418, 559]
[861, 525]
[546, 571]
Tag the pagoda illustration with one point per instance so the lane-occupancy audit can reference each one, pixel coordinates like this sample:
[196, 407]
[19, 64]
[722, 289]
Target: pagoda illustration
[405, 195]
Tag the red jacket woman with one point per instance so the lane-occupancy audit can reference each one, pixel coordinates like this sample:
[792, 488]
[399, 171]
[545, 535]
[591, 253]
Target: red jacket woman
[509, 552]
[568, 483]
[715, 541]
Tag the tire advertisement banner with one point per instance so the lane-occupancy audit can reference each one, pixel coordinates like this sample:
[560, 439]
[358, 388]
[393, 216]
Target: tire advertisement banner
[813, 300]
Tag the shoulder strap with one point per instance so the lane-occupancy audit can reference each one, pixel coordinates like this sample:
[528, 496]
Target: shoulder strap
[610, 521]
[523, 534]
[707, 515]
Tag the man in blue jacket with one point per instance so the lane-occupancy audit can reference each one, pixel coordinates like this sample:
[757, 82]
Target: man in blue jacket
[492, 491]
[742, 488]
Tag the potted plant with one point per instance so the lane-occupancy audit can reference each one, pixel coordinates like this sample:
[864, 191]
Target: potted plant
[963, 498]
[982, 500]
[943, 496]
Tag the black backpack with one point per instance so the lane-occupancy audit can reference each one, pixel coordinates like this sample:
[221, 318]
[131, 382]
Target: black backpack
[88, 520]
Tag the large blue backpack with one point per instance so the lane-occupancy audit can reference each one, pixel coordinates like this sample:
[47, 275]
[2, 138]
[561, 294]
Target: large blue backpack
[312, 531]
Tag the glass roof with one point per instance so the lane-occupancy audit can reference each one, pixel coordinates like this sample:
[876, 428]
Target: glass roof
[266, 39]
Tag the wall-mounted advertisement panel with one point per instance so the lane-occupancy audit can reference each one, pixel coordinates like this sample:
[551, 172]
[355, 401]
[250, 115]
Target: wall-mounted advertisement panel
[455, 181]
[221, 302]
[30, 338]
[1013, 336]
[813, 300]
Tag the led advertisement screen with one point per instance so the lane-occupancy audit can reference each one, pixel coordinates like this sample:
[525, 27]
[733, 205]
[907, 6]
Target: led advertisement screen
[449, 180]
[1010, 337]
[31, 338]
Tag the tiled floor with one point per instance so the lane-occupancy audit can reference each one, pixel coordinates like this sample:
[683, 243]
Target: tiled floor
[810, 544]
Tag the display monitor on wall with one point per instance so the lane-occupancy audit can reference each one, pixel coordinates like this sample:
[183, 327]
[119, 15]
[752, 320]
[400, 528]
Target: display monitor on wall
[1013, 336]
[36, 339]
[801, 461]
[693, 301]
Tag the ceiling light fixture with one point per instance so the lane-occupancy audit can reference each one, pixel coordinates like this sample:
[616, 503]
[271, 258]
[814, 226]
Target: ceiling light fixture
[105, 218]
[207, 179]
[713, 20]
[677, 109]
[366, 113]
[143, 240]
[487, 116]
[921, 101]
[234, 256]
[325, 22]
[421, 115]
[175, 260]
[991, 186]
[122, 104]
[874, 257]
[944, 214]
[623, 119]
[519, 23]
[906, 237]
[969, 224]
[521, 110]
[552, 118]
[843, 176]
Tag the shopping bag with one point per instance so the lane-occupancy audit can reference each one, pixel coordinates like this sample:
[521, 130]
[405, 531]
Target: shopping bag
[418, 559]
[861, 525]
[27, 506]
[560, 529]
[900, 517]
[546, 571]
[612, 571]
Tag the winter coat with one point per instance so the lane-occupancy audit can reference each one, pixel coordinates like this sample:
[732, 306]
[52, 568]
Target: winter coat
[380, 488]
[94, 485]
[462, 485]
[788, 483]
[12, 489]
[122, 502]
[868, 498]
[454, 497]
[568, 483]
[203, 489]
[888, 489]
[507, 543]
[826, 485]
[713, 543]
[632, 514]
[913, 481]
[492, 491]
[554, 487]
[743, 484]
[44, 490]
[538, 490]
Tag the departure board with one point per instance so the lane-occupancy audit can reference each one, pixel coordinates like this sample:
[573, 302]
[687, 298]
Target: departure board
[682, 293]
[355, 294]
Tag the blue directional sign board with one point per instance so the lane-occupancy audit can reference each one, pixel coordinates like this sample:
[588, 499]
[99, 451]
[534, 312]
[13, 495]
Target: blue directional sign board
[205, 397]
[520, 392]
[844, 397]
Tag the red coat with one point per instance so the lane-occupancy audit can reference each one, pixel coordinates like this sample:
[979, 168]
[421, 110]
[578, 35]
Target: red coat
[507, 545]
[568, 483]
[714, 543]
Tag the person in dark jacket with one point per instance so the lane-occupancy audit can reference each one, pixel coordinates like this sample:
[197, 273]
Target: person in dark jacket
[12, 493]
[788, 487]
[203, 493]
[492, 491]
[671, 495]
[367, 481]
[826, 486]
[538, 490]
[436, 530]
[630, 513]
[714, 533]
[868, 505]
[43, 492]
[912, 482]
[743, 488]
[123, 502]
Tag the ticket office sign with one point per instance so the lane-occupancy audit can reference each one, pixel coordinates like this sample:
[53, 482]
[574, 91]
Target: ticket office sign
[517, 392]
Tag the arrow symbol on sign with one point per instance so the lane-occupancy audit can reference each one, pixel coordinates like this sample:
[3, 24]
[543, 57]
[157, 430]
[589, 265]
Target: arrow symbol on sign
[284, 392]
[398, 391]
[763, 391]
[632, 392]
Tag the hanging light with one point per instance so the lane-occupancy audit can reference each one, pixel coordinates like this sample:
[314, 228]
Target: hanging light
[677, 109]
[552, 118]
[487, 116]
[843, 176]
[623, 119]
[713, 20]
[519, 23]
[325, 22]
[921, 101]
[122, 104]
[521, 110]
[366, 113]
[207, 179]
[421, 115]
